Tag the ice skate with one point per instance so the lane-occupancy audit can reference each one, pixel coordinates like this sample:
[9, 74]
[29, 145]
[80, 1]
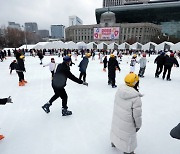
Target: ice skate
[114, 86]
[24, 81]
[1, 137]
[66, 112]
[21, 83]
[45, 107]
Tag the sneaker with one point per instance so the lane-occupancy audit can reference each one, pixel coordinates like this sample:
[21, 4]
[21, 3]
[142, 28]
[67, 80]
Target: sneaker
[66, 112]
[114, 86]
[45, 107]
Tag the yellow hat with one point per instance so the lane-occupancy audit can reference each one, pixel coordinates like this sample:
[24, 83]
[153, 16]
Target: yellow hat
[69, 55]
[88, 55]
[112, 55]
[22, 56]
[134, 56]
[131, 79]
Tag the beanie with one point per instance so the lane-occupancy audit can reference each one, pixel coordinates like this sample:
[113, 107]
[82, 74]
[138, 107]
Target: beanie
[131, 79]
[66, 59]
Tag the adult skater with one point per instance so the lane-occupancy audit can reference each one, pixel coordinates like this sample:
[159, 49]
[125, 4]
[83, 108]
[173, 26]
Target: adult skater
[40, 55]
[83, 66]
[20, 68]
[3, 101]
[58, 84]
[112, 66]
[160, 63]
[170, 60]
[52, 66]
[126, 119]
[142, 61]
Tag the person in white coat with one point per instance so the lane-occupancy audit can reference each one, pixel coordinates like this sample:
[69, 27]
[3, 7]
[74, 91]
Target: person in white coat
[52, 66]
[133, 63]
[127, 112]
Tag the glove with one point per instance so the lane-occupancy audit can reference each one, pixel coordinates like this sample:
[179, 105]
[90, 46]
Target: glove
[85, 83]
[137, 129]
[9, 100]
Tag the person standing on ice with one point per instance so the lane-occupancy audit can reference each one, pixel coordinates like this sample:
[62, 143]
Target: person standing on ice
[133, 63]
[142, 61]
[112, 67]
[58, 84]
[3, 101]
[127, 112]
[160, 63]
[83, 66]
[105, 63]
[52, 66]
[170, 60]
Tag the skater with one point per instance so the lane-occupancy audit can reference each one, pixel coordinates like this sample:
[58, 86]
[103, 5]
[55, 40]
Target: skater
[71, 63]
[133, 63]
[40, 55]
[83, 66]
[105, 63]
[12, 66]
[20, 68]
[126, 120]
[58, 84]
[52, 66]
[142, 61]
[170, 60]
[3, 101]
[112, 66]
[175, 132]
[160, 63]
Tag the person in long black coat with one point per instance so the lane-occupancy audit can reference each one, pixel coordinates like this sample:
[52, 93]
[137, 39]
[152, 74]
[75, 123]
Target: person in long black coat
[40, 55]
[112, 66]
[58, 84]
[170, 60]
[160, 63]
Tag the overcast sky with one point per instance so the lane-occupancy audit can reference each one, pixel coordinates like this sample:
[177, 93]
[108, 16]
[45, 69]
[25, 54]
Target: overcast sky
[47, 12]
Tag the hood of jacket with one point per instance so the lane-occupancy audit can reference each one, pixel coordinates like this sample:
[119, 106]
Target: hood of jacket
[126, 92]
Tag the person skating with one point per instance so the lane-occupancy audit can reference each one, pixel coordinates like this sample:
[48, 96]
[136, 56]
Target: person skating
[12, 66]
[105, 63]
[127, 112]
[160, 63]
[133, 63]
[52, 66]
[3, 101]
[40, 55]
[83, 66]
[112, 67]
[170, 60]
[142, 61]
[20, 68]
[58, 84]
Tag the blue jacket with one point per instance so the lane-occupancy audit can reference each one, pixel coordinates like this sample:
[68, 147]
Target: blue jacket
[83, 64]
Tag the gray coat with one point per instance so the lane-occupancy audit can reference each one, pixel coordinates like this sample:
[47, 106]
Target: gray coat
[142, 61]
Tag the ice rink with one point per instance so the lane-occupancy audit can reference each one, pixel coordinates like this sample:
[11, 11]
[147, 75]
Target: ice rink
[29, 130]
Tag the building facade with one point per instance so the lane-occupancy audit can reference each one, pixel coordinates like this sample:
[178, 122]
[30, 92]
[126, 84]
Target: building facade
[74, 20]
[57, 31]
[14, 25]
[31, 27]
[43, 33]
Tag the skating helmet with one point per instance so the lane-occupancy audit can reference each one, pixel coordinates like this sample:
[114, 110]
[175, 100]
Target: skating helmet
[112, 55]
[134, 56]
[131, 79]
[88, 55]
[66, 59]
[21, 57]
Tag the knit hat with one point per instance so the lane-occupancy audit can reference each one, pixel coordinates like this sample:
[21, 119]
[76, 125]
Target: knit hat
[131, 79]
[134, 56]
[112, 55]
[22, 56]
[88, 55]
[66, 59]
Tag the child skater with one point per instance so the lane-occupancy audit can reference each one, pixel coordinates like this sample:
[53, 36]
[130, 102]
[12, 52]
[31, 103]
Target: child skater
[52, 66]
[12, 66]
[105, 63]
[133, 63]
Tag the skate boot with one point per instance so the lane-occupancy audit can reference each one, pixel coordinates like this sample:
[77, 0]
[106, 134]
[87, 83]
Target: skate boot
[1, 137]
[24, 81]
[21, 83]
[46, 106]
[66, 112]
[114, 86]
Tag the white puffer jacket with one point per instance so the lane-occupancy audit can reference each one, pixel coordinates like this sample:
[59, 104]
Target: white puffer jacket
[126, 118]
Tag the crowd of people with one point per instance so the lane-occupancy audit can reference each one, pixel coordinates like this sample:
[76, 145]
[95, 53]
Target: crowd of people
[127, 118]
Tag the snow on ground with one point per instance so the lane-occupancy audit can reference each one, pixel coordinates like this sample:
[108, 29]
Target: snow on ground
[29, 130]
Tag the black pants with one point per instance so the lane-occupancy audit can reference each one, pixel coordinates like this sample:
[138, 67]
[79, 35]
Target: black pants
[3, 101]
[83, 74]
[21, 76]
[52, 72]
[159, 70]
[60, 93]
[167, 68]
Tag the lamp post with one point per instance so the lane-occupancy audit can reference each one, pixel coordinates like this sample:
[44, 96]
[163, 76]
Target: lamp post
[25, 37]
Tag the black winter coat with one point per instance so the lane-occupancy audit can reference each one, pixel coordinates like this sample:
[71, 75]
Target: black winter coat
[112, 65]
[83, 65]
[20, 65]
[3, 101]
[169, 61]
[61, 75]
[160, 60]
